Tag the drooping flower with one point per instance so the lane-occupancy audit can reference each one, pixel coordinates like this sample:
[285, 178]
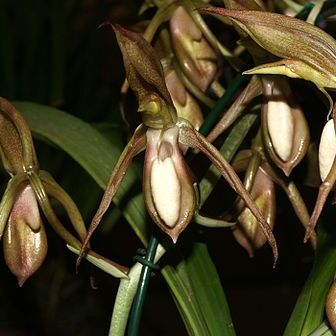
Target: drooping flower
[28, 191]
[24, 241]
[161, 134]
[285, 129]
[168, 182]
[327, 164]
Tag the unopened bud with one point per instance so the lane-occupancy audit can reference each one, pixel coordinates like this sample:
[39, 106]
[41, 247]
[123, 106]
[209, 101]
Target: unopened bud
[331, 306]
[195, 55]
[17, 149]
[247, 232]
[186, 106]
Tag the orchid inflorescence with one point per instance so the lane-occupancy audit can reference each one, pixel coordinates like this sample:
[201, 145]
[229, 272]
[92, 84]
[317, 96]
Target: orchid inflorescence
[172, 78]
[175, 68]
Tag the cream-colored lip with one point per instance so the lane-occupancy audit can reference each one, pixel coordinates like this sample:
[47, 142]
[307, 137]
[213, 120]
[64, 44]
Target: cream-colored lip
[166, 190]
[281, 128]
[327, 149]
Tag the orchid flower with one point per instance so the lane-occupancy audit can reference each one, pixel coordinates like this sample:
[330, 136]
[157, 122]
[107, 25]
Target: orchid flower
[169, 186]
[21, 227]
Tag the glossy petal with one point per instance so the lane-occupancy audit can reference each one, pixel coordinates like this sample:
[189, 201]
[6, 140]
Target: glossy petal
[327, 149]
[285, 129]
[168, 183]
[24, 248]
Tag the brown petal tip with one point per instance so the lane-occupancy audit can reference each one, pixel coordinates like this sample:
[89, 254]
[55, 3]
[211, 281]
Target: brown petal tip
[22, 280]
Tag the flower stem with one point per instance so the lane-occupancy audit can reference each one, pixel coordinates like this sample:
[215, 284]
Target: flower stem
[138, 303]
[221, 104]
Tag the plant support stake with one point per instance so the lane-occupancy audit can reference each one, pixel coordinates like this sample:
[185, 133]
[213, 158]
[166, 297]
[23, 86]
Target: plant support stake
[146, 272]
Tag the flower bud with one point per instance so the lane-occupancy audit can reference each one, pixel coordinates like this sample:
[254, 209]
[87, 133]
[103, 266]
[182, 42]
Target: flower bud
[247, 232]
[24, 242]
[285, 129]
[186, 106]
[327, 149]
[331, 306]
[195, 55]
[168, 183]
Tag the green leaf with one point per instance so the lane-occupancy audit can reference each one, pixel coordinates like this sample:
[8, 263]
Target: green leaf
[213, 301]
[203, 308]
[186, 298]
[202, 286]
[96, 154]
[309, 309]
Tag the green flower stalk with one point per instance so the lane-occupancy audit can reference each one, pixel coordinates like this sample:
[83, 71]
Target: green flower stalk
[252, 90]
[161, 134]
